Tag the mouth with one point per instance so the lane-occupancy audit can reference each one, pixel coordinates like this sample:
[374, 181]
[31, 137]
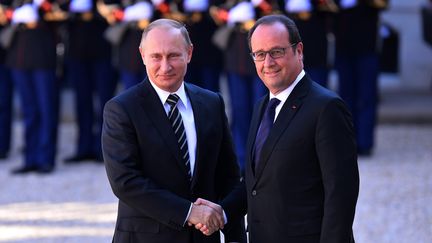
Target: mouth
[166, 76]
[271, 73]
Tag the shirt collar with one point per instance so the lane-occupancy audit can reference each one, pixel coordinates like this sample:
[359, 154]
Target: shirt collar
[163, 95]
[283, 96]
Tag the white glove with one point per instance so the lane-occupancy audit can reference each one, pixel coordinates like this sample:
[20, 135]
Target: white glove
[242, 12]
[348, 3]
[256, 2]
[195, 5]
[38, 2]
[80, 6]
[296, 6]
[25, 14]
[157, 2]
[138, 11]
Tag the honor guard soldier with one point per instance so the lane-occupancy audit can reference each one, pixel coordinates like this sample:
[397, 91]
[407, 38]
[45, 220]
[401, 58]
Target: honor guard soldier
[90, 73]
[357, 64]
[6, 87]
[32, 59]
[206, 65]
[313, 19]
[127, 18]
[245, 87]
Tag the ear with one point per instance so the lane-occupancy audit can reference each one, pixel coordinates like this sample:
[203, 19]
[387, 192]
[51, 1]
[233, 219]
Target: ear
[189, 53]
[142, 55]
[299, 50]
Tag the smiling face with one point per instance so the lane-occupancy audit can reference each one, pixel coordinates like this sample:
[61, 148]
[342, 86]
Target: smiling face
[166, 54]
[277, 74]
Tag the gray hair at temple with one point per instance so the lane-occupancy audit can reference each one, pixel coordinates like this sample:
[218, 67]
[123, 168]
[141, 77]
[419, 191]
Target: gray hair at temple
[294, 35]
[167, 23]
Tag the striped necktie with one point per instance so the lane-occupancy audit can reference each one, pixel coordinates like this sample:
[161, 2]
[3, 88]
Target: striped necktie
[179, 130]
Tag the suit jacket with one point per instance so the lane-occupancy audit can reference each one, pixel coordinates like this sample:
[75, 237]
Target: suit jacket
[306, 184]
[144, 168]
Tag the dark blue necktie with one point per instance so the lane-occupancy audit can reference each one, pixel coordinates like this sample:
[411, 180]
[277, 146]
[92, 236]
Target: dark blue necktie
[264, 128]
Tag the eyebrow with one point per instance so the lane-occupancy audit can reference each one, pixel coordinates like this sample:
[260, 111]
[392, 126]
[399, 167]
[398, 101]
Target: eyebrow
[275, 47]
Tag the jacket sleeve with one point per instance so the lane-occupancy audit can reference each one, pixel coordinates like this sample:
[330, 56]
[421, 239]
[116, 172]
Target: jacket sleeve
[337, 156]
[231, 185]
[129, 183]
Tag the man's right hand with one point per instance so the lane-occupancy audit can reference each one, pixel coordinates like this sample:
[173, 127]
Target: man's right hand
[211, 217]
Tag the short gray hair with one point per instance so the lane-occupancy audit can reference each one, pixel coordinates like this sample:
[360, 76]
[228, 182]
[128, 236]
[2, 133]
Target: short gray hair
[167, 23]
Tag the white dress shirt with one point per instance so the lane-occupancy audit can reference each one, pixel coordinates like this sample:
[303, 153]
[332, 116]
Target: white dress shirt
[185, 108]
[283, 96]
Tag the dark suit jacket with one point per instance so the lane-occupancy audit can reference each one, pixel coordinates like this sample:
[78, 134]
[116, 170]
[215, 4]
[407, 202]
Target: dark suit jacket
[306, 185]
[143, 165]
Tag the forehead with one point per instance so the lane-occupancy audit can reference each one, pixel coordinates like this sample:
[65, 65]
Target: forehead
[274, 34]
[164, 39]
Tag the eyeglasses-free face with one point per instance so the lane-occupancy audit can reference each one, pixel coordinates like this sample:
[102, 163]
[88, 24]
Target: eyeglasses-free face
[274, 53]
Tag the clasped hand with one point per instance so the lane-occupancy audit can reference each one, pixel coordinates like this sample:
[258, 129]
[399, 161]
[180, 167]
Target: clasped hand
[206, 216]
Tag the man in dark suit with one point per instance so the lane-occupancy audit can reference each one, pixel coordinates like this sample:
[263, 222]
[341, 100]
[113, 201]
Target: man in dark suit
[156, 174]
[301, 173]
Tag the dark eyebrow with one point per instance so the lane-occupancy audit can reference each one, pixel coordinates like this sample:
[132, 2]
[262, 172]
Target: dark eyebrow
[276, 47]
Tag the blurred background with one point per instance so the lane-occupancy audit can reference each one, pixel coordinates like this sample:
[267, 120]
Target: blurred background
[74, 203]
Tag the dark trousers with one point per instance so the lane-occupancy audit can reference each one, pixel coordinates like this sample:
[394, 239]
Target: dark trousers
[358, 81]
[90, 78]
[245, 90]
[6, 94]
[39, 96]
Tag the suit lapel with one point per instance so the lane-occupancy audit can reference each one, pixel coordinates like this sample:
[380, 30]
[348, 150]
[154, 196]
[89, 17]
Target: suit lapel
[152, 106]
[291, 106]
[199, 111]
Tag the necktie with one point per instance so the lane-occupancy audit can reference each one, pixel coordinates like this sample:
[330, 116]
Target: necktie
[179, 130]
[264, 128]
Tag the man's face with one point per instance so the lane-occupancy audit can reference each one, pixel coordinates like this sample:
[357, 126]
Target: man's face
[166, 55]
[276, 73]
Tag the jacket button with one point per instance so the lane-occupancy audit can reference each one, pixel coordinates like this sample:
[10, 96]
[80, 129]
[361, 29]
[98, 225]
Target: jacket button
[254, 193]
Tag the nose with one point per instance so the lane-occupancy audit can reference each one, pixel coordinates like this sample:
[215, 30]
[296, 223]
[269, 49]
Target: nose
[165, 66]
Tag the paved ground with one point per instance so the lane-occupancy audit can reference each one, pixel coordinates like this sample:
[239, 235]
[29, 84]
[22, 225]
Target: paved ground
[75, 204]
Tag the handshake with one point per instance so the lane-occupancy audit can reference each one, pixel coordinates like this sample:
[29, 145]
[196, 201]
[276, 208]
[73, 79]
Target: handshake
[208, 217]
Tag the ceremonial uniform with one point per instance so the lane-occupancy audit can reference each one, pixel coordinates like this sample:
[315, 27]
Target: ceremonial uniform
[6, 92]
[90, 73]
[32, 59]
[357, 64]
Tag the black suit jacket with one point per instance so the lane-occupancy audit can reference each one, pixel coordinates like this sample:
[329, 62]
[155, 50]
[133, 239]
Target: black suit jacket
[144, 169]
[306, 185]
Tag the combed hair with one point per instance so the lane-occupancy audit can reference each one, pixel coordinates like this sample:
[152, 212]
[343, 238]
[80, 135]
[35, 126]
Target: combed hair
[167, 23]
[294, 35]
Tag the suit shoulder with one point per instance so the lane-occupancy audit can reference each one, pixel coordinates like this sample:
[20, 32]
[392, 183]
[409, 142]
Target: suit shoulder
[128, 95]
[203, 92]
[323, 94]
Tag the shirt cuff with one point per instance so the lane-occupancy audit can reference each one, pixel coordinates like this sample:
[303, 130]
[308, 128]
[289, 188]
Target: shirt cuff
[187, 216]
[225, 217]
